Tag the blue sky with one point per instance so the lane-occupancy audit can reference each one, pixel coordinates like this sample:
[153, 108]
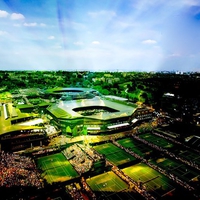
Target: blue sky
[100, 35]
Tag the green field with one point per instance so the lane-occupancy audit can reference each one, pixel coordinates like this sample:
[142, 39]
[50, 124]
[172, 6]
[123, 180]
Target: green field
[155, 182]
[184, 172]
[107, 182]
[109, 186]
[114, 154]
[135, 146]
[162, 142]
[56, 168]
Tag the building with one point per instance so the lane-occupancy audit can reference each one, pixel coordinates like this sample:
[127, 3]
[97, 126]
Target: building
[20, 130]
[87, 112]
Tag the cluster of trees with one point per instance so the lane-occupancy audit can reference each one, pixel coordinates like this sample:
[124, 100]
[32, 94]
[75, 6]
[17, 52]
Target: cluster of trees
[145, 87]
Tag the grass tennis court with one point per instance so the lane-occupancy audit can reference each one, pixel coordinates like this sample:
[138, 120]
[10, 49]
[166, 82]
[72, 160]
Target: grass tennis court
[184, 172]
[114, 154]
[162, 142]
[56, 168]
[155, 182]
[110, 187]
[107, 182]
[135, 146]
[178, 150]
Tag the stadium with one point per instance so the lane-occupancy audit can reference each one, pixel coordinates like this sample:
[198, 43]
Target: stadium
[85, 111]
[20, 130]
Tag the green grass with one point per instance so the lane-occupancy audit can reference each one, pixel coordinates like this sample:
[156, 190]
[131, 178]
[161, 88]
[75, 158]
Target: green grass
[164, 143]
[180, 170]
[154, 181]
[56, 168]
[107, 182]
[114, 154]
[135, 146]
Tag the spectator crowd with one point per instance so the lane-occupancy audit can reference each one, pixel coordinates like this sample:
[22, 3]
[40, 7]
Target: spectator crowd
[17, 170]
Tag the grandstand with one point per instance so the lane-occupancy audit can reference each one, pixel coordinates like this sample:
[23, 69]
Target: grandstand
[87, 112]
[20, 130]
[194, 142]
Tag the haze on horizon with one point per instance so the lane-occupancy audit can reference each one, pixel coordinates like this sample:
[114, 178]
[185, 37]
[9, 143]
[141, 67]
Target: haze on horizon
[100, 35]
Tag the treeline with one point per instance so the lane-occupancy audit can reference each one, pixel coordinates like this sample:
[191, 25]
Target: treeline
[145, 87]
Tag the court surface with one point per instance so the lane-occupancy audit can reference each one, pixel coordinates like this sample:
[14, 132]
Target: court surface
[152, 180]
[135, 146]
[109, 186]
[56, 168]
[114, 154]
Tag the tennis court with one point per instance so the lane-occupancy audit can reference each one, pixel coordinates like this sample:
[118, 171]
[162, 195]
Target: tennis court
[154, 182]
[107, 182]
[159, 141]
[56, 168]
[184, 172]
[114, 154]
[135, 146]
[179, 150]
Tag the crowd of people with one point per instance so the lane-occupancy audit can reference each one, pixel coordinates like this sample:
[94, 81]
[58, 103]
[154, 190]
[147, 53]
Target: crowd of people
[74, 192]
[189, 162]
[163, 171]
[16, 170]
[90, 152]
[79, 159]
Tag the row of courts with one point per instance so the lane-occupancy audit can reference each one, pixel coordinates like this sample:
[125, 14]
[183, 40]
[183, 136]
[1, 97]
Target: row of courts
[176, 167]
[56, 168]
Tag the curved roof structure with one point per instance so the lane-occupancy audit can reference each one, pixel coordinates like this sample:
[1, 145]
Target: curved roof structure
[96, 108]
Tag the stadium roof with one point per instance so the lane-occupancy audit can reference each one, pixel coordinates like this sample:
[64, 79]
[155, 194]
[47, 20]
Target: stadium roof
[67, 109]
[30, 121]
[68, 90]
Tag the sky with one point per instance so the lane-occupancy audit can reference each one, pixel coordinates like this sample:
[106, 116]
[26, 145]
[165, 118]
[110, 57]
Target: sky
[100, 35]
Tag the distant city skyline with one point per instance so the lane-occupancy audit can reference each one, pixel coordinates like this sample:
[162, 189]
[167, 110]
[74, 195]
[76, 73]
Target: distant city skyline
[100, 35]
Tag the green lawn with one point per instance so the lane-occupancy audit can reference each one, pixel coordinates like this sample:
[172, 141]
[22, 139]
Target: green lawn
[114, 154]
[184, 172]
[56, 168]
[107, 182]
[162, 142]
[135, 146]
[154, 181]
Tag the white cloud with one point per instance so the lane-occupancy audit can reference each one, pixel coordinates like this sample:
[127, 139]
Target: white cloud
[30, 24]
[58, 46]
[192, 2]
[17, 16]
[175, 55]
[96, 42]
[3, 14]
[102, 13]
[3, 33]
[78, 43]
[42, 24]
[77, 25]
[17, 25]
[149, 42]
[51, 37]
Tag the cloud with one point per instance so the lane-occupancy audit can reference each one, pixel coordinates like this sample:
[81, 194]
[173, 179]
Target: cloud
[58, 46]
[3, 14]
[30, 24]
[78, 43]
[42, 24]
[96, 42]
[51, 37]
[17, 25]
[192, 2]
[102, 13]
[17, 16]
[78, 26]
[149, 42]
[175, 55]
[3, 33]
